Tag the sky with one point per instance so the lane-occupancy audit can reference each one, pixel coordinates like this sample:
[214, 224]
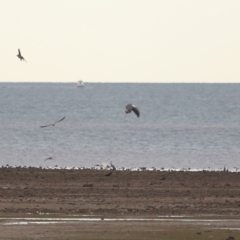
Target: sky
[139, 41]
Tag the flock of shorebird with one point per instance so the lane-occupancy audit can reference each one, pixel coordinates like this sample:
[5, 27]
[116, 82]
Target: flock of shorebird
[129, 108]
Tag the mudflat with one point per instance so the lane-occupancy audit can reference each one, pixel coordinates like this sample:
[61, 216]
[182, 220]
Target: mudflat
[40, 192]
[36, 190]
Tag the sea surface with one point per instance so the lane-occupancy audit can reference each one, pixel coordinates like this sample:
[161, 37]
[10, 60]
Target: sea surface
[181, 126]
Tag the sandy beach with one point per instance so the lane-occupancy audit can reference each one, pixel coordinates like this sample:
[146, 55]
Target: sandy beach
[36, 192]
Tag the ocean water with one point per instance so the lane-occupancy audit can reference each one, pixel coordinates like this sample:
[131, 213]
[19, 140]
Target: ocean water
[181, 126]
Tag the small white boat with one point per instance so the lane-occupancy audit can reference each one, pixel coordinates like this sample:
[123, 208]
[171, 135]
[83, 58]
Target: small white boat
[80, 83]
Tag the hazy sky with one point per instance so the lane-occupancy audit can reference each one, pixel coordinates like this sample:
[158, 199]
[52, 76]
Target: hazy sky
[120, 40]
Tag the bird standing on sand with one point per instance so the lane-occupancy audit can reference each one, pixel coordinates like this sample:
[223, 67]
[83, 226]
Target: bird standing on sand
[20, 56]
[130, 107]
[110, 173]
[53, 124]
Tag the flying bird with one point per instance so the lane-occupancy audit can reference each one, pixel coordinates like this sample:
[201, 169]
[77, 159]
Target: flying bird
[130, 107]
[52, 124]
[49, 158]
[108, 174]
[20, 56]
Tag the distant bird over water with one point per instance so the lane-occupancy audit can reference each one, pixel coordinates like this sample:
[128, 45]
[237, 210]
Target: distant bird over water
[130, 107]
[53, 124]
[20, 56]
[49, 158]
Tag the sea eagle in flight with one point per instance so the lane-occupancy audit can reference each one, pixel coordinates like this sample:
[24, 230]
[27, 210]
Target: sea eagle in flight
[131, 107]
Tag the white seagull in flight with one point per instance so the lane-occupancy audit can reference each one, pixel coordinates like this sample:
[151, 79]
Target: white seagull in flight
[52, 124]
[20, 56]
[130, 107]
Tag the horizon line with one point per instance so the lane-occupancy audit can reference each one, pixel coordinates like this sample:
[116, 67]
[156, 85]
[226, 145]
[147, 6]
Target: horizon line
[133, 82]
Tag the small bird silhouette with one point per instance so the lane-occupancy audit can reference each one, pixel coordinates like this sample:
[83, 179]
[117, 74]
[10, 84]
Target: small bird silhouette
[52, 124]
[112, 166]
[20, 56]
[130, 107]
[49, 158]
[108, 174]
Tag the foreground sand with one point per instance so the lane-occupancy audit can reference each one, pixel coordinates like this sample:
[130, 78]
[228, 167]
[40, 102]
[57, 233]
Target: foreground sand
[32, 192]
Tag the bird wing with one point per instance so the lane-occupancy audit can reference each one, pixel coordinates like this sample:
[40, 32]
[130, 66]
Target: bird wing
[19, 52]
[113, 167]
[108, 174]
[60, 120]
[46, 126]
[136, 111]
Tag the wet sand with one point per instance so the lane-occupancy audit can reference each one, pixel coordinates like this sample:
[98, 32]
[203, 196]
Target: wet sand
[32, 192]
[35, 190]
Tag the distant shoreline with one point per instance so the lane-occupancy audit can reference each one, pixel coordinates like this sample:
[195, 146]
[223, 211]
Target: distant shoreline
[133, 169]
[86, 82]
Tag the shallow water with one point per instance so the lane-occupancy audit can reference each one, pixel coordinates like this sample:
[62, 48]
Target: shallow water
[43, 221]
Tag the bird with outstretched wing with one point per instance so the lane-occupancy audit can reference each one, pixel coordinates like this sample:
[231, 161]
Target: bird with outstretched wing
[20, 56]
[53, 124]
[130, 107]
